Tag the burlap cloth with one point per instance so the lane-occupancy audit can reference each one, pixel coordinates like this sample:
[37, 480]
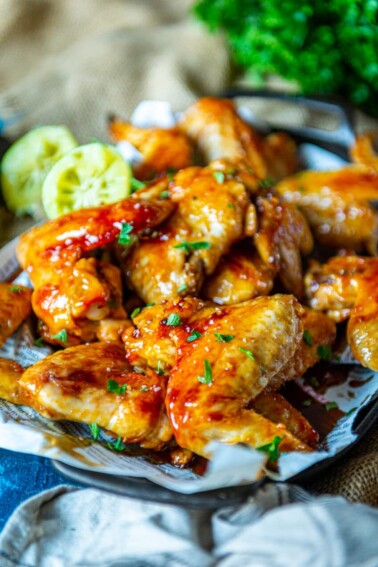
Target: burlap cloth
[74, 62]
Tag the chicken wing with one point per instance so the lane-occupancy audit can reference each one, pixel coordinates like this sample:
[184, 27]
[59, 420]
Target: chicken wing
[95, 384]
[211, 215]
[15, 307]
[219, 359]
[336, 205]
[162, 148]
[10, 374]
[71, 292]
[345, 287]
[239, 276]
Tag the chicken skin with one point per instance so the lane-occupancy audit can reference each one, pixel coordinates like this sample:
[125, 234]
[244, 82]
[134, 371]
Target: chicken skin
[15, 307]
[220, 359]
[211, 215]
[10, 374]
[162, 148]
[346, 286]
[336, 205]
[72, 292]
[75, 384]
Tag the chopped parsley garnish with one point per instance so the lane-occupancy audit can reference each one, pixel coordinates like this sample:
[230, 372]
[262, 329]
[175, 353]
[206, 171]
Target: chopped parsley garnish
[115, 388]
[182, 287]
[247, 353]
[173, 320]
[164, 195]
[135, 312]
[16, 289]
[125, 238]
[194, 335]
[314, 382]
[331, 405]
[264, 183]
[39, 342]
[208, 377]
[307, 338]
[324, 352]
[272, 449]
[95, 430]
[135, 184]
[223, 338]
[61, 336]
[188, 246]
[117, 446]
[159, 369]
[219, 176]
[230, 206]
[149, 304]
[307, 403]
[144, 388]
[171, 173]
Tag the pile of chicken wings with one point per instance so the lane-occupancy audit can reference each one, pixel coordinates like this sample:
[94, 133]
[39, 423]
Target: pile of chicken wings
[182, 310]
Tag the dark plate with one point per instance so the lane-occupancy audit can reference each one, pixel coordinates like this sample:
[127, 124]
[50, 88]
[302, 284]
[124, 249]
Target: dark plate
[338, 142]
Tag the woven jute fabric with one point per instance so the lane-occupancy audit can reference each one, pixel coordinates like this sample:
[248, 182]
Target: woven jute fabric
[71, 62]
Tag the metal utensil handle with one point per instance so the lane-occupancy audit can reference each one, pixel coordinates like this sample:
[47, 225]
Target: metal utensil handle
[343, 135]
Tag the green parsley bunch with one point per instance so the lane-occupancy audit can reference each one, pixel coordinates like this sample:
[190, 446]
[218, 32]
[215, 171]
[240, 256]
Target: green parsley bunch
[325, 46]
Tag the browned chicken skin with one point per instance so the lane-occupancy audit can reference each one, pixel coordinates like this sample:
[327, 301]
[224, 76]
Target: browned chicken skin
[73, 384]
[265, 347]
[73, 293]
[346, 286]
[162, 148]
[15, 307]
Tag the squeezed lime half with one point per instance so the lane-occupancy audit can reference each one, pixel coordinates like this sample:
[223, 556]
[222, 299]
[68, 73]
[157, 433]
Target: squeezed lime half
[88, 176]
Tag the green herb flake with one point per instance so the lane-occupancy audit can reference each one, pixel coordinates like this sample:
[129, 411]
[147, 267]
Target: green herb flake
[39, 342]
[61, 336]
[265, 183]
[314, 382]
[182, 287]
[230, 206]
[124, 238]
[149, 304]
[95, 430]
[135, 312]
[324, 352]
[159, 369]
[219, 176]
[144, 389]
[171, 173]
[208, 377]
[224, 338]
[164, 195]
[188, 246]
[272, 449]
[114, 388]
[307, 403]
[173, 320]
[194, 335]
[16, 289]
[307, 338]
[331, 405]
[247, 353]
[117, 445]
[135, 184]
[352, 410]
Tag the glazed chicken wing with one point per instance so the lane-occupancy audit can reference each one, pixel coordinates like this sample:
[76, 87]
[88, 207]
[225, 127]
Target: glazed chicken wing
[211, 215]
[336, 205]
[15, 307]
[74, 384]
[220, 359]
[162, 148]
[10, 374]
[345, 287]
[73, 292]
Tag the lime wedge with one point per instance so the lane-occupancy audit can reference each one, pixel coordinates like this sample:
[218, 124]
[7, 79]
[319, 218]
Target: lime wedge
[25, 165]
[88, 176]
